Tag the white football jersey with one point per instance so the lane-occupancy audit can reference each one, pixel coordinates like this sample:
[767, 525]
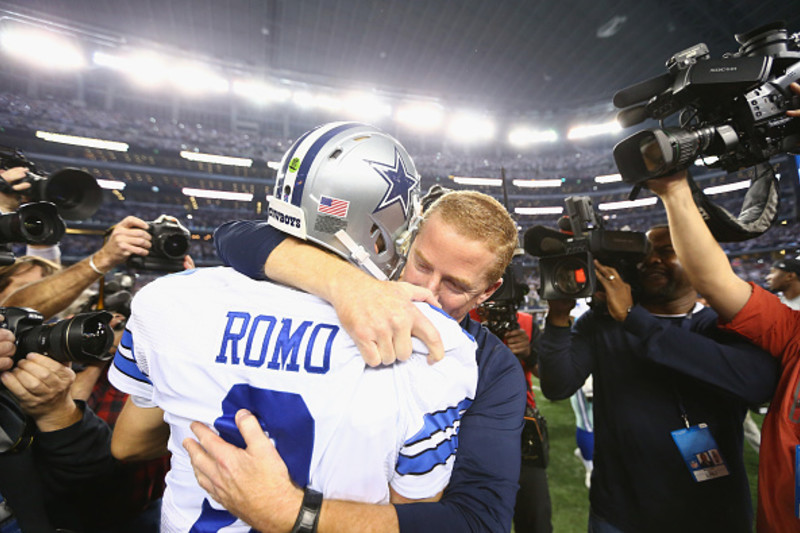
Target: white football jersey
[203, 344]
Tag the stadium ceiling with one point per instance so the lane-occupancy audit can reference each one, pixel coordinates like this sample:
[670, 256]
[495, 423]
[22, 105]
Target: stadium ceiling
[512, 55]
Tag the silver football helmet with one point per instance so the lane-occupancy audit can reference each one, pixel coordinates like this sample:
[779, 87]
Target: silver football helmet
[351, 189]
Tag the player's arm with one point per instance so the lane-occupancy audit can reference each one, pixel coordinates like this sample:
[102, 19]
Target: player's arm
[700, 255]
[140, 433]
[397, 498]
[379, 315]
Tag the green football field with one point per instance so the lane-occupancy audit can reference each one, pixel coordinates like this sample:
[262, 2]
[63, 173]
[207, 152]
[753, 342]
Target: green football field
[566, 473]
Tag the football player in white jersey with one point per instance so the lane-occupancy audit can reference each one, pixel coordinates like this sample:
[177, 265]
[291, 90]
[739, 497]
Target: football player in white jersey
[204, 344]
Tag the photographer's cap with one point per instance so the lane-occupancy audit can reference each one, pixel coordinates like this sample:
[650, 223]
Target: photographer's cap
[788, 265]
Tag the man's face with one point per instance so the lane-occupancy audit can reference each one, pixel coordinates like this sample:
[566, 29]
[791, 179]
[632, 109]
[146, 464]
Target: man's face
[662, 276]
[777, 279]
[453, 268]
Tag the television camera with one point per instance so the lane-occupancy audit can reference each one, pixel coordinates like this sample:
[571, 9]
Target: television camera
[566, 261]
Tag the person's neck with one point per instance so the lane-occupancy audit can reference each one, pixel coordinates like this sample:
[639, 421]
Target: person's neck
[792, 292]
[680, 305]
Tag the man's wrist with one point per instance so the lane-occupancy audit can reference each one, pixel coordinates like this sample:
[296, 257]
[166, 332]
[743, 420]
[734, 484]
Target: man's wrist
[308, 517]
[62, 417]
[99, 263]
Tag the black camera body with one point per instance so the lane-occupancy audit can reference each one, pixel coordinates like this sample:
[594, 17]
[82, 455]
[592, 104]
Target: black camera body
[566, 264]
[84, 338]
[75, 193]
[499, 312]
[170, 245]
[733, 108]
[32, 223]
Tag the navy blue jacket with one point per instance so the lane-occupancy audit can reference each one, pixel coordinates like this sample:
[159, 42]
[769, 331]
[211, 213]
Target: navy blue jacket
[483, 486]
[647, 371]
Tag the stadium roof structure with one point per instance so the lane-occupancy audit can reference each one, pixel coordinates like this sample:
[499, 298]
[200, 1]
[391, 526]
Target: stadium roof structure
[515, 56]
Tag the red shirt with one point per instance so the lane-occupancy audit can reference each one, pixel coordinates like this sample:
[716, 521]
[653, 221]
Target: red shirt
[767, 322]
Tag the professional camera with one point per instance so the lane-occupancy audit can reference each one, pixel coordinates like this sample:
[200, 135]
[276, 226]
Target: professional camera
[733, 108]
[566, 262]
[75, 192]
[499, 312]
[170, 244]
[33, 223]
[84, 338]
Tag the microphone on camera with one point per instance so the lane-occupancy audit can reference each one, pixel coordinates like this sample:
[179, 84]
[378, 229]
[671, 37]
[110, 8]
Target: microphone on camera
[643, 91]
[541, 240]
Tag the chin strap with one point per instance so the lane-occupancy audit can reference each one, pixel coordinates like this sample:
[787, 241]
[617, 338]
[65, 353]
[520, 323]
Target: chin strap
[360, 256]
[759, 209]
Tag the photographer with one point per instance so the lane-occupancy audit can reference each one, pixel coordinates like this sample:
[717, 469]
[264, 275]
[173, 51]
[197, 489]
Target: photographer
[663, 373]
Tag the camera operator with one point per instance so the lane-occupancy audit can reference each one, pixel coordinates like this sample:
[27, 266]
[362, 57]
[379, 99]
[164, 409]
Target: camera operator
[533, 508]
[665, 378]
[64, 446]
[759, 316]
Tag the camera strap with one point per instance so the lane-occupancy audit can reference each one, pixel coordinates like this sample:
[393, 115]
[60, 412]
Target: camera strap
[758, 213]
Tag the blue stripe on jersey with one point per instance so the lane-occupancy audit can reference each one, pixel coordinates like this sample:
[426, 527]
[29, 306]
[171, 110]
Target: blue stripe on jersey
[127, 340]
[308, 158]
[439, 421]
[129, 368]
[424, 462]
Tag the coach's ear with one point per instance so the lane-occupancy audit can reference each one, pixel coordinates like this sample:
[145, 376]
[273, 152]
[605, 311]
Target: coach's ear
[486, 294]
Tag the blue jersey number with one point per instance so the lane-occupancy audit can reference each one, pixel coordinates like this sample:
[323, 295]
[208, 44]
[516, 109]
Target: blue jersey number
[285, 416]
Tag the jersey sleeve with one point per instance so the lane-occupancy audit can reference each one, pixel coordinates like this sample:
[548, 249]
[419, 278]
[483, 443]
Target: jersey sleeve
[436, 398]
[129, 371]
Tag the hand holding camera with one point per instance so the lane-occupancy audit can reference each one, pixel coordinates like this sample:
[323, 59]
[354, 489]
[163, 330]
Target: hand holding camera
[128, 237]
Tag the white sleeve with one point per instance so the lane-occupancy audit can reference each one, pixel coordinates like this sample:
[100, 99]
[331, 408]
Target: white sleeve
[436, 399]
[129, 371]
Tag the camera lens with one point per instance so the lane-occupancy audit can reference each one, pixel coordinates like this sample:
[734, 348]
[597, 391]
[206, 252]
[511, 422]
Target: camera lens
[175, 246]
[84, 338]
[34, 226]
[94, 338]
[571, 276]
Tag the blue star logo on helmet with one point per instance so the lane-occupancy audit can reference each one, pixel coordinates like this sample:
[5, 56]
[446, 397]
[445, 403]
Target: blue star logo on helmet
[401, 183]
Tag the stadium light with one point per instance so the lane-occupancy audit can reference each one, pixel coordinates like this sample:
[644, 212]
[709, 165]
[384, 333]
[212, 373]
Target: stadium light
[627, 204]
[525, 136]
[303, 99]
[145, 69]
[728, 187]
[555, 210]
[217, 159]
[424, 117]
[592, 130]
[470, 127]
[88, 142]
[218, 195]
[489, 182]
[260, 92]
[608, 178]
[274, 165]
[536, 184]
[112, 185]
[195, 79]
[43, 49]
[366, 106]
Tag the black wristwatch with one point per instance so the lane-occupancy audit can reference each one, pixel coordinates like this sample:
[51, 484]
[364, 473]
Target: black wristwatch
[308, 517]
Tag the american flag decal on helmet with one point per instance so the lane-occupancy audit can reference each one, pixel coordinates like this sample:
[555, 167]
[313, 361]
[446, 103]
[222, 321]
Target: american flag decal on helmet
[333, 206]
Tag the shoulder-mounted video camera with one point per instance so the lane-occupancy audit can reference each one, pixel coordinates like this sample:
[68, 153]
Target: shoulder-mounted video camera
[170, 245]
[733, 108]
[75, 193]
[499, 312]
[566, 261]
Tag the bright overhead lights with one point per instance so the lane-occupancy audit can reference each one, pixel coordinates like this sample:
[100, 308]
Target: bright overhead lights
[274, 165]
[489, 182]
[218, 195]
[728, 187]
[303, 99]
[470, 127]
[196, 79]
[555, 210]
[82, 141]
[145, 69]
[627, 204]
[113, 185]
[420, 116]
[608, 178]
[260, 92]
[524, 136]
[218, 159]
[535, 184]
[367, 106]
[43, 49]
[592, 130]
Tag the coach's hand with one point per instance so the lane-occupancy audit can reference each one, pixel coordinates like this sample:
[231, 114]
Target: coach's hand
[252, 483]
[381, 317]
